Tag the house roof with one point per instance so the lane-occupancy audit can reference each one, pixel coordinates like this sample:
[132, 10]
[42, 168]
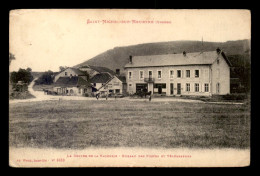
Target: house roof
[99, 69]
[77, 71]
[100, 78]
[197, 58]
[122, 78]
[73, 81]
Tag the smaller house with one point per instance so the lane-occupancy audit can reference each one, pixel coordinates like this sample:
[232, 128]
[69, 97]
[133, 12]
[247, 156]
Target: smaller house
[69, 72]
[115, 85]
[99, 80]
[74, 85]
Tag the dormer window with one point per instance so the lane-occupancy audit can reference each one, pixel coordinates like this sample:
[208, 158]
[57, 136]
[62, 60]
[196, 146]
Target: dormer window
[217, 61]
[66, 73]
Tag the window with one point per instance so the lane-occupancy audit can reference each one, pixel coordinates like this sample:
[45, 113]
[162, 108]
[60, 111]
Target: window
[79, 90]
[188, 87]
[187, 73]
[217, 61]
[178, 73]
[130, 85]
[197, 89]
[70, 74]
[150, 74]
[66, 73]
[197, 73]
[141, 74]
[130, 75]
[171, 73]
[206, 87]
[117, 90]
[218, 87]
[94, 84]
[159, 74]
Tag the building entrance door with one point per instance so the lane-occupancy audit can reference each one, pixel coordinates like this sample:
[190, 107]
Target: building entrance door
[171, 88]
[178, 88]
[159, 89]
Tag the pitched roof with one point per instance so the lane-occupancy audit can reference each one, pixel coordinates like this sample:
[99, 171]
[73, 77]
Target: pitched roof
[197, 58]
[77, 71]
[99, 69]
[122, 78]
[73, 81]
[100, 78]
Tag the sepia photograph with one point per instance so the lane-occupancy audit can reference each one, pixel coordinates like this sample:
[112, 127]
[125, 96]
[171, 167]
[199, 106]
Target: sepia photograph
[129, 88]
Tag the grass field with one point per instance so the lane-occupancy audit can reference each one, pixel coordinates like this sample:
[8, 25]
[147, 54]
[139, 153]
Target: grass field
[122, 123]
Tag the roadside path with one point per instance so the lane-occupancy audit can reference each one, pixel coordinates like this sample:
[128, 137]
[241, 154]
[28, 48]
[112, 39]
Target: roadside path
[40, 96]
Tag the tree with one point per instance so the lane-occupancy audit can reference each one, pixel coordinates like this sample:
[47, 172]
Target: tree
[11, 57]
[22, 75]
[29, 69]
[45, 78]
[62, 68]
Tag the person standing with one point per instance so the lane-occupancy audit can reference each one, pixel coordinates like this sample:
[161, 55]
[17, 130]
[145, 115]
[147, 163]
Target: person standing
[106, 94]
[97, 95]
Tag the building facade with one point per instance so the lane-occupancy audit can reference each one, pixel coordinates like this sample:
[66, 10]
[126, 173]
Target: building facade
[202, 74]
[116, 85]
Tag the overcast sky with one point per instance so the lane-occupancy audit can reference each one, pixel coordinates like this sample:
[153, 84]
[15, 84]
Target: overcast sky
[46, 39]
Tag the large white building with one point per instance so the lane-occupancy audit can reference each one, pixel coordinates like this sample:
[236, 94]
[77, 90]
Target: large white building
[200, 73]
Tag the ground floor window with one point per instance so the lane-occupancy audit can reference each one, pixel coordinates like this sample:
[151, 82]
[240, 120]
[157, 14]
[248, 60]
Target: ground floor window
[158, 88]
[79, 90]
[71, 91]
[206, 87]
[141, 87]
[218, 87]
[117, 90]
[188, 87]
[197, 87]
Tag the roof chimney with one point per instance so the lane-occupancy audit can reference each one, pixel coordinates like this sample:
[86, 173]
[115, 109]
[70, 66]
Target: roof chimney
[118, 71]
[184, 53]
[130, 59]
[218, 50]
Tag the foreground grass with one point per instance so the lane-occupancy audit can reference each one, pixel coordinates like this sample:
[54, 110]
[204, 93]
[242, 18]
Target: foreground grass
[81, 124]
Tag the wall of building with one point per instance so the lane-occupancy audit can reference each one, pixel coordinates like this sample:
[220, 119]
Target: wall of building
[69, 72]
[204, 77]
[220, 74]
[75, 91]
[113, 85]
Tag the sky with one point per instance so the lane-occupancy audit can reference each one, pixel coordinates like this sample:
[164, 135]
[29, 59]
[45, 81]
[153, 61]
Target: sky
[46, 39]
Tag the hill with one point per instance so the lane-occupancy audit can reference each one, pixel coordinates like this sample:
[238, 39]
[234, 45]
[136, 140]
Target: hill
[117, 57]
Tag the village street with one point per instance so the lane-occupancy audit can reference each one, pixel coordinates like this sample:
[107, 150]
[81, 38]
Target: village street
[40, 96]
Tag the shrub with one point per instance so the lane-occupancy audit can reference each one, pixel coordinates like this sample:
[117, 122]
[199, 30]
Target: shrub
[236, 96]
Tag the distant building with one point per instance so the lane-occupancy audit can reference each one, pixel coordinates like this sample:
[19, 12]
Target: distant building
[69, 72]
[92, 77]
[100, 79]
[74, 85]
[116, 85]
[200, 73]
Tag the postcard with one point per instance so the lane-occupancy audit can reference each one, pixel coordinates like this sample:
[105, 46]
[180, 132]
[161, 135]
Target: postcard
[129, 88]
